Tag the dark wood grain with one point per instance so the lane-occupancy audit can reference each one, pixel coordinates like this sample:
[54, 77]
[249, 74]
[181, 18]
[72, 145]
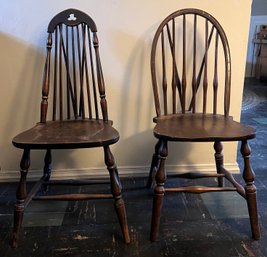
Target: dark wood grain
[67, 134]
[199, 127]
[195, 118]
[74, 77]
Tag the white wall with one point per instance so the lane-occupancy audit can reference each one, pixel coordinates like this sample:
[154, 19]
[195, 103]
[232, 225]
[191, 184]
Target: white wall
[126, 29]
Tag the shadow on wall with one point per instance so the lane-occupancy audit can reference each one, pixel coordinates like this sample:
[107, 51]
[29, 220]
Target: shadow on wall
[21, 73]
[136, 106]
[144, 144]
[20, 84]
[135, 101]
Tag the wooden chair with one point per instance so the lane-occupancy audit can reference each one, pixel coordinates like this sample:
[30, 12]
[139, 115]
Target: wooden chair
[73, 75]
[191, 77]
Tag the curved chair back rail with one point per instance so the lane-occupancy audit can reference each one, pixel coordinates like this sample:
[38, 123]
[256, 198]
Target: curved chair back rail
[73, 81]
[73, 85]
[190, 40]
[191, 79]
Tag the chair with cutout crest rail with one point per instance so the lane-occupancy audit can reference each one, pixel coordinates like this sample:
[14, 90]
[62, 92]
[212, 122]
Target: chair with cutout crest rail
[78, 117]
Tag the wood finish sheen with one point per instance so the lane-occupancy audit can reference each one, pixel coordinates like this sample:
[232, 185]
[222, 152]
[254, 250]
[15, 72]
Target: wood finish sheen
[195, 80]
[73, 85]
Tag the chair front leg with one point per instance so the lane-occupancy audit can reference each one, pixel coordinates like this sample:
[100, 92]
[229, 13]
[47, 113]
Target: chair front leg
[47, 164]
[154, 165]
[250, 189]
[116, 192]
[159, 191]
[21, 195]
[47, 168]
[218, 147]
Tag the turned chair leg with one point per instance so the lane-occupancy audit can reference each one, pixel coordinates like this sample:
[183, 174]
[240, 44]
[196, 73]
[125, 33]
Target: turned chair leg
[218, 147]
[250, 190]
[154, 165]
[158, 191]
[47, 168]
[21, 195]
[116, 192]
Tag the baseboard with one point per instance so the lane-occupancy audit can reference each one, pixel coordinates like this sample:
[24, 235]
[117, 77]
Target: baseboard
[133, 171]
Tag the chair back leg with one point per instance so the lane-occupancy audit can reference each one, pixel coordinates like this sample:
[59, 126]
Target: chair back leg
[154, 165]
[218, 147]
[47, 168]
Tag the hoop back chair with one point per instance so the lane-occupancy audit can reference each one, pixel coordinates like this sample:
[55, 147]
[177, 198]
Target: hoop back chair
[191, 77]
[78, 117]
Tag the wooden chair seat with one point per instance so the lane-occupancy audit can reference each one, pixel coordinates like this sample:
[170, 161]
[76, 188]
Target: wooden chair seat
[68, 134]
[200, 127]
[191, 79]
[73, 114]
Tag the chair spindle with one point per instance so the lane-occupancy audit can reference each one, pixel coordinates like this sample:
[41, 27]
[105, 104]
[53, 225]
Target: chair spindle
[176, 82]
[55, 75]
[60, 75]
[75, 106]
[67, 74]
[174, 108]
[45, 89]
[194, 80]
[215, 78]
[88, 85]
[100, 79]
[93, 75]
[164, 79]
[184, 66]
[205, 79]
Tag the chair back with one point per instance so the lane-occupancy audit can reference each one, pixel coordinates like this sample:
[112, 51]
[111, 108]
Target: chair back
[73, 72]
[191, 65]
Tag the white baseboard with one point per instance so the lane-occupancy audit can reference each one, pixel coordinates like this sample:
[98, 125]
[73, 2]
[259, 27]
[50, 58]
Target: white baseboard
[135, 171]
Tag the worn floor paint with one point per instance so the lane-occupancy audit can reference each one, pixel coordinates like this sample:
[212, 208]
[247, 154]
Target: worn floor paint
[191, 225]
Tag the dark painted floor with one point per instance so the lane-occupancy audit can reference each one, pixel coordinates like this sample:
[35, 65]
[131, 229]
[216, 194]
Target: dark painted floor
[191, 225]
